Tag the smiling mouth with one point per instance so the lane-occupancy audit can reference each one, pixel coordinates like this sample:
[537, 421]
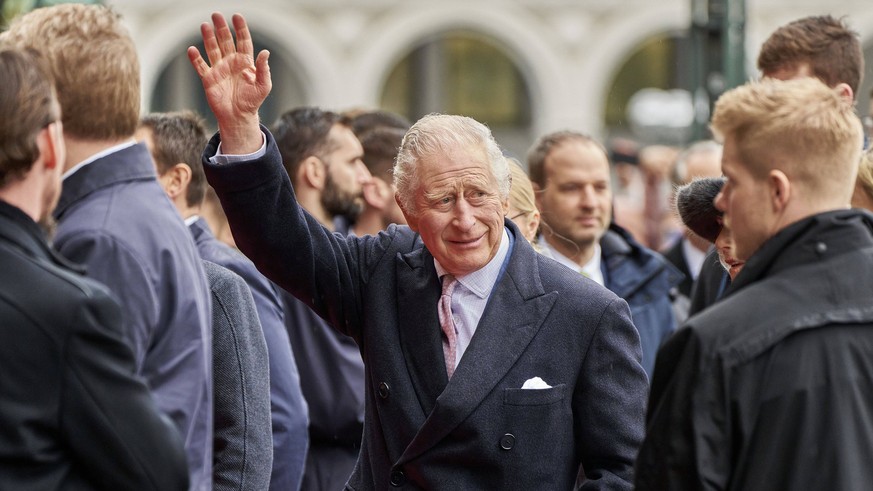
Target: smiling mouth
[466, 242]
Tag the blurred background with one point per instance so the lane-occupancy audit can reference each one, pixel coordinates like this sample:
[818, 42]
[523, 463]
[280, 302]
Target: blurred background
[638, 70]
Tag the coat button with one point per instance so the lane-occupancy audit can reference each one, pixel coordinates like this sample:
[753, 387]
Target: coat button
[384, 390]
[398, 479]
[821, 248]
[507, 441]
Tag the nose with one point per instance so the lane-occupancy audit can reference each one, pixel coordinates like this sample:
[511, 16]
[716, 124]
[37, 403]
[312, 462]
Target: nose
[464, 218]
[363, 173]
[589, 197]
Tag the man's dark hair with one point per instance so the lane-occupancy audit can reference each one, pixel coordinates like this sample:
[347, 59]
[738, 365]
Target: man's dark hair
[27, 105]
[179, 138]
[381, 145]
[304, 132]
[832, 50]
[370, 120]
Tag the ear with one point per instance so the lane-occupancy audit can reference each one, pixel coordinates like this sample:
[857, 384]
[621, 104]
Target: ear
[780, 190]
[533, 224]
[175, 181]
[845, 92]
[51, 146]
[411, 219]
[377, 193]
[312, 172]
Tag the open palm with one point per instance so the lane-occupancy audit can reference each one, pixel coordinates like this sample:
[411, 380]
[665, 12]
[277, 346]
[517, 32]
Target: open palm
[235, 83]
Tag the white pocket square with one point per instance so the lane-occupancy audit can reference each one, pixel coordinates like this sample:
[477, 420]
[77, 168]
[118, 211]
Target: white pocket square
[536, 383]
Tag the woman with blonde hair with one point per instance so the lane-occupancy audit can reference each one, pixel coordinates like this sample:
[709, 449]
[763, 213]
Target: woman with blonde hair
[522, 203]
[863, 195]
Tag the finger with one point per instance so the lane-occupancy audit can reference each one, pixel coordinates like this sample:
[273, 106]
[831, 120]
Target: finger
[244, 43]
[197, 61]
[223, 34]
[210, 44]
[262, 70]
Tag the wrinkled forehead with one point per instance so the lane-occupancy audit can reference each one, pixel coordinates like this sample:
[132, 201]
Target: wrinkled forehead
[455, 163]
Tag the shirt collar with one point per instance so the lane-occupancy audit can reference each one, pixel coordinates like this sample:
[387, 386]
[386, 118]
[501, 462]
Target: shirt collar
[481, 281]
[98, 155]
[591, 269]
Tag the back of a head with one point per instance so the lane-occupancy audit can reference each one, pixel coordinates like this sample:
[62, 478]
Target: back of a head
[27, 105]
[380, 149]
[303, 132]
[94, 63]
[801, 127]
[179, 138]
[695, 206]
[832, 50]
[437, 135]
[521, 195]
[700, 159]
[366, 121]
[539, 152]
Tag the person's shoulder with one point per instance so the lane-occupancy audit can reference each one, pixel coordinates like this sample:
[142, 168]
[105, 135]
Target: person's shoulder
[64, 295]
[557, 277]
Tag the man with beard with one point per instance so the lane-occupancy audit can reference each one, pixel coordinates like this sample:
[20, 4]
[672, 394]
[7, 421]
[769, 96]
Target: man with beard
[571, 175]
[323, 158]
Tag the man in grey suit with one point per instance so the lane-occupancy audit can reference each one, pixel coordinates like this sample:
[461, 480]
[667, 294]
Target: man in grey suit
[537, 383]
[242, 437]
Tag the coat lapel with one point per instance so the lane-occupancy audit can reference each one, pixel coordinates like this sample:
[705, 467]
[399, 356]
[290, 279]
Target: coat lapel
[420, 336]
[513, 316]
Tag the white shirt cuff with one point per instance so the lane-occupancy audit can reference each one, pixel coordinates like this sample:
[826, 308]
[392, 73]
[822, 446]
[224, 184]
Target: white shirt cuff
[220, 158]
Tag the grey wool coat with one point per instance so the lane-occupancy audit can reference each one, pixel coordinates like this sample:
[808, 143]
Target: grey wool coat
[242, 437]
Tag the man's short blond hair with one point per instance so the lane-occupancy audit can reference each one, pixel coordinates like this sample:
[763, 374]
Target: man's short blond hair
[801, 127]
[94, 62]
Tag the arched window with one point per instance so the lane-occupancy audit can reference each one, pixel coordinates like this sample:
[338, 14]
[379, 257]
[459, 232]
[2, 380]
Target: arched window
[650, 94]
[178, 86]
[465, 73]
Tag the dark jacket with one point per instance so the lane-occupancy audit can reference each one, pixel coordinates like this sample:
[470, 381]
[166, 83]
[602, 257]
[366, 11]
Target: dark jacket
[114, 218]
[480, 430]
[242, 440]
[643, 278]
[710, 285]
[332, 380]
[675, 255]
[288, 408]
[73, 414]
[769, 389]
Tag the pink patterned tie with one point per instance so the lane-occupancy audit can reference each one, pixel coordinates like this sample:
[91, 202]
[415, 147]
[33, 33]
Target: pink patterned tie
[447, 323]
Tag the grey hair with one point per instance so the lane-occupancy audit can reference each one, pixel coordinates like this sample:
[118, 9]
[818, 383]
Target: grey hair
[440, 134]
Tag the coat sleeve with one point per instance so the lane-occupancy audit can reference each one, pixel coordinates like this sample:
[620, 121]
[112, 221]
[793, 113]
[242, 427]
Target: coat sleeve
[610, 402]
[325, 270]
[118, 436]
[687, 430]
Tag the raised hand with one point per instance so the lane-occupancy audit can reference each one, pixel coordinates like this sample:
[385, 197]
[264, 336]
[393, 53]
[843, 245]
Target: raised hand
[235, 84]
